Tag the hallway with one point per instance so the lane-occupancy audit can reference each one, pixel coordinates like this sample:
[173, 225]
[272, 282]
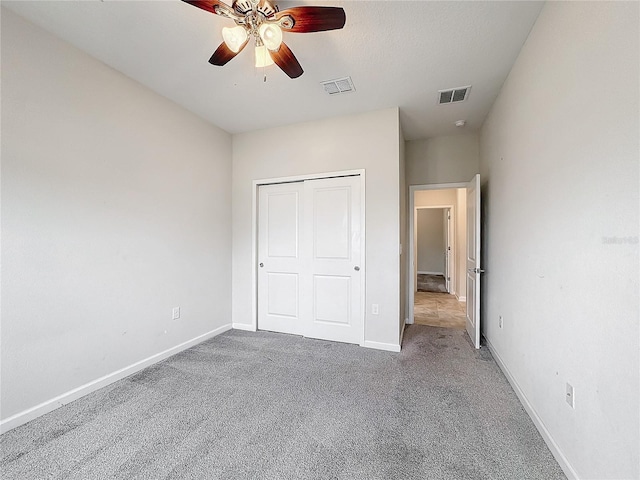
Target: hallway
[439, 310]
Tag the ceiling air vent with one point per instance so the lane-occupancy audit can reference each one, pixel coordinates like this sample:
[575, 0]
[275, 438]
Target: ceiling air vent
[339, 85]
[453, 95]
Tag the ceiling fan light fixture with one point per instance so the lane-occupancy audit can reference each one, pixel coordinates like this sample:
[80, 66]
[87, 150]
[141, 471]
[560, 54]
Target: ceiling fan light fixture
[265, 22]
[263, 59]
[271, 35]
[234, 37]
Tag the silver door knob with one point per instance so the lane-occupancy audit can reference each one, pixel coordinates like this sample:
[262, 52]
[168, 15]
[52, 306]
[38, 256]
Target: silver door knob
[261, 264]
[357, 269]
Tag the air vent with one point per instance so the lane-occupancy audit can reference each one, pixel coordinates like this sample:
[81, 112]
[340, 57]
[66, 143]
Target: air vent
[453, 95]
[339, 85]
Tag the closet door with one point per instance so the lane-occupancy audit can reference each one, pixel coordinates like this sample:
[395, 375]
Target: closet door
[279, 257]
[330, 296]
[309, 259]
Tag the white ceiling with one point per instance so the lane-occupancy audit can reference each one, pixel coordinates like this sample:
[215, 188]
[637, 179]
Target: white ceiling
[398, 53]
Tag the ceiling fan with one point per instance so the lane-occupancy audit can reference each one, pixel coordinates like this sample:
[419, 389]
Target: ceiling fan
[263, 21]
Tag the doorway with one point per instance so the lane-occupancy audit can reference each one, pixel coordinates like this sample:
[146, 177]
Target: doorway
[435, 300]
[435, 262]
[459, 306]
[439, 243]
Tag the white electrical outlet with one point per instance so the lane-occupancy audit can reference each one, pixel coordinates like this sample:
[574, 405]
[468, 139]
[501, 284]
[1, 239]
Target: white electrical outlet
[570, 397]
[500, 321]
[176, 313]
[374, 309]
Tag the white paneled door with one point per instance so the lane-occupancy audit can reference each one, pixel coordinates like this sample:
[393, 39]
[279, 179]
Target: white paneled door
[473, 260]
[280, 262]
[331, 299]
[309, 254]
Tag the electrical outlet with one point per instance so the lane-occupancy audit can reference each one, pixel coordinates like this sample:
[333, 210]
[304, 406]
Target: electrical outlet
[176, 313]
[571, 399]
[500, 321]
[374, 309]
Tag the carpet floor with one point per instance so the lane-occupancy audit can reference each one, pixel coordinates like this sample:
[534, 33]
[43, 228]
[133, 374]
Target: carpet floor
[270, 406]
[431, 283]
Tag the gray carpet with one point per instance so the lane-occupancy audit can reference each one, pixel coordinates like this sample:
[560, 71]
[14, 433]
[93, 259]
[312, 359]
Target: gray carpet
[270, 406]
[431, 283]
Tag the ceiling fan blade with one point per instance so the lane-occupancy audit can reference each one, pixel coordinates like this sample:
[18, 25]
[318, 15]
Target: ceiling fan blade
[314, 19]
[208, 5]
[287, 61]
[223, 54]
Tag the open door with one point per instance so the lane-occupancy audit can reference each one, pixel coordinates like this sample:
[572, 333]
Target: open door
[473, 260]
[447, 248]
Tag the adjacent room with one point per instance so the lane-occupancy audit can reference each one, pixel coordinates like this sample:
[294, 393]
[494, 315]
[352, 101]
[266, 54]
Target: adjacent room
[319, 239]
[439, 257]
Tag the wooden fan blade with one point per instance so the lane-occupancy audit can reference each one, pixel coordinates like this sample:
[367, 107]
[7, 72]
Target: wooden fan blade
[223, 54]
[314, 19]
[208, 5]
[287, 61]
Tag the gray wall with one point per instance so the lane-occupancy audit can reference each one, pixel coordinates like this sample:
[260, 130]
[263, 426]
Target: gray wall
[115, 208]
[430, 244]
[447, 159]
[560, 170]
[369, 141]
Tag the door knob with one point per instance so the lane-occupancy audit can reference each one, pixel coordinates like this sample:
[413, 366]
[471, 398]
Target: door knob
[261, 264]
[357, 269]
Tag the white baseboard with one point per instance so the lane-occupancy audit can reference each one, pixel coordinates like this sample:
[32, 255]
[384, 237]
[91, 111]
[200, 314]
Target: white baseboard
[537, 421]
[389, 347]
[431, 273]
[462, 298]
[244, 326]
[45, 407]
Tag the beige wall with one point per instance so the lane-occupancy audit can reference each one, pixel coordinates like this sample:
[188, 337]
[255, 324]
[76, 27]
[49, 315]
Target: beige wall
[442, 159]
[461, 244]
[560, 172]
[115, 208]
[368, 141]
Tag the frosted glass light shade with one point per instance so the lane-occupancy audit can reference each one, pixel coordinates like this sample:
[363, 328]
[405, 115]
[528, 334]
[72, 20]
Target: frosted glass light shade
[234, 37]
[271, 36]
[263, 59]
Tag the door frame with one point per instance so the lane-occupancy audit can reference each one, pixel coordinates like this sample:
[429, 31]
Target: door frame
[412, 246]
[254, 236]
[451, 236]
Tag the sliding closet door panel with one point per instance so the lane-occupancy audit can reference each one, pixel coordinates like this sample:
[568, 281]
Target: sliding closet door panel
[332, 299]
[332, 212]
[279, 257]
[331, 292]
